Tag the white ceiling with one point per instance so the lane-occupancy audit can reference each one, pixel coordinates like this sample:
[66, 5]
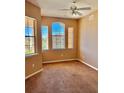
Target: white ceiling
[52, 7]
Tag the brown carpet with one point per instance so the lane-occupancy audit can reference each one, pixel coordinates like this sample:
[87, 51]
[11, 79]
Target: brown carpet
[64, 77]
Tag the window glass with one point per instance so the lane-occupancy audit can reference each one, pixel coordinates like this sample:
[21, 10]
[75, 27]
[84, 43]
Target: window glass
[44, 37]
[58, 35]
[70, 37]
[29, 35]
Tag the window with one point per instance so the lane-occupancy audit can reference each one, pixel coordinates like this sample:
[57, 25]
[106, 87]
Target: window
[70, 37]
[44, 37]
[58, 35]
[30, 35]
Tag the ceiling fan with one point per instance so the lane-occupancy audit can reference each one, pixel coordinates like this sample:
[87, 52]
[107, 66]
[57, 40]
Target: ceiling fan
[75, 10]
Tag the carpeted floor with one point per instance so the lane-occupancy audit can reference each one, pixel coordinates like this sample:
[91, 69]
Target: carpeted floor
[64, 77]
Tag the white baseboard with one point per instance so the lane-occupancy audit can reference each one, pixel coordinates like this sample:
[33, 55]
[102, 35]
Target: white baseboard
[87, 64]
[60, 61]
[33, 73]
[54, 61]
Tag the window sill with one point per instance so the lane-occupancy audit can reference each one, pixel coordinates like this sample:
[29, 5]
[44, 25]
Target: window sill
[58, 49]
[30, 55]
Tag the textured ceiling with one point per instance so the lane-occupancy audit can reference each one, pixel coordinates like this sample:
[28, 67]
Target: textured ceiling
[52, 7]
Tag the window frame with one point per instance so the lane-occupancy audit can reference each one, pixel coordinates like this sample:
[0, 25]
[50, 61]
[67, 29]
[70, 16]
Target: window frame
[72, 38]
[52, 37]
[33, 36]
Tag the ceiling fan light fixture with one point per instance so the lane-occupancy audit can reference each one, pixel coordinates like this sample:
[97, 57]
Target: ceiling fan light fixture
[73, 14]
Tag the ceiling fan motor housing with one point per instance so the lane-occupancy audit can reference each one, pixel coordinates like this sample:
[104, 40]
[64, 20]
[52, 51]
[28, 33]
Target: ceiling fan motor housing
[73, 8]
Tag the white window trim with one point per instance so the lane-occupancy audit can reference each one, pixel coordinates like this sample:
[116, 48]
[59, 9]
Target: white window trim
[30, 55]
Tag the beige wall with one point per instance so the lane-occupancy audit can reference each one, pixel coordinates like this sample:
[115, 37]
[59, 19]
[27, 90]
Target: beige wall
[65, 53]
[88, 39]
[34, 11]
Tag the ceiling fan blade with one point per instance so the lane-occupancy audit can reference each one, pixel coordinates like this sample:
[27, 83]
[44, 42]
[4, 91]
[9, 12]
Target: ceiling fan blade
[84, 8]
[80, 14]
[64, 9]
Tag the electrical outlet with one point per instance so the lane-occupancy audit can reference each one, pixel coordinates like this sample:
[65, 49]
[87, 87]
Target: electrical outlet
[33, 65]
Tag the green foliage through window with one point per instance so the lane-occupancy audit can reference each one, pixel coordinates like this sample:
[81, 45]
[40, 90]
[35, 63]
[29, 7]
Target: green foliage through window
[44, 37]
